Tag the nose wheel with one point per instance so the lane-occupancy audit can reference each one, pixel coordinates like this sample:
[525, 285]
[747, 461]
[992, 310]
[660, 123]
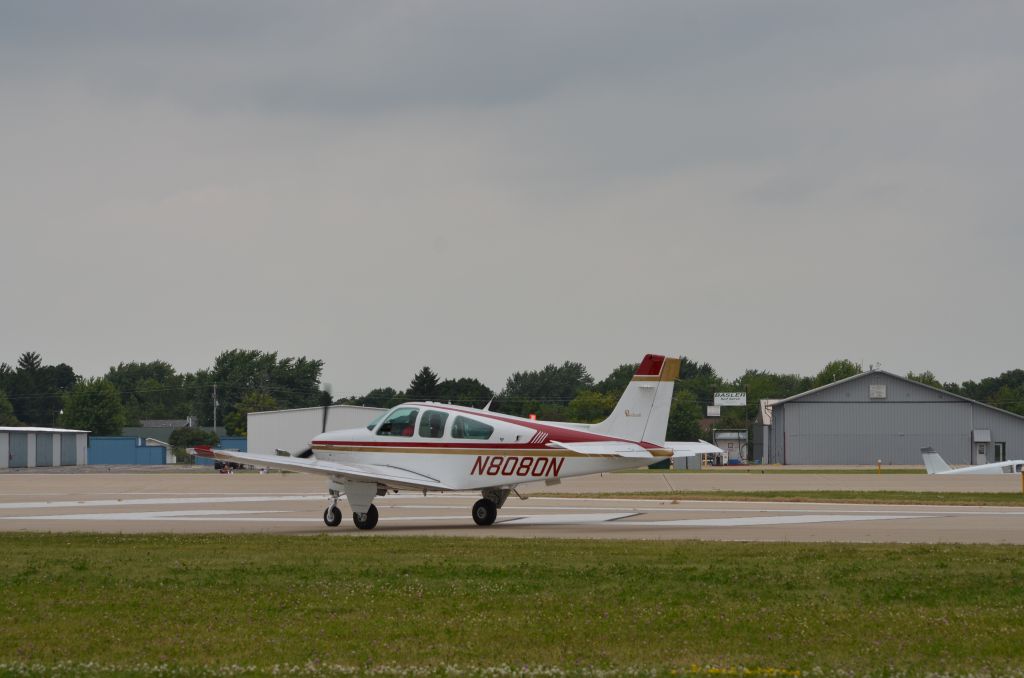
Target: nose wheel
[332, 516]
[366, 521]
[485, 512]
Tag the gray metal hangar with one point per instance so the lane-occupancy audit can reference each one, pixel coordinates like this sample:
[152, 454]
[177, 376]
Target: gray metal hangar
[32, 447]
[879, 415]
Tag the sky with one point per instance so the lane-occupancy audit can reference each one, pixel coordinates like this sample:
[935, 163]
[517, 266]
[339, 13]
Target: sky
[491, 187]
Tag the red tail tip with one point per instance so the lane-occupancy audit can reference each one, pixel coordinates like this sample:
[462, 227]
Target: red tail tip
[650, 366]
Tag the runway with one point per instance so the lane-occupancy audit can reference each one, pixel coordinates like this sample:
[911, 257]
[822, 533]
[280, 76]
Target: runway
[293, 504]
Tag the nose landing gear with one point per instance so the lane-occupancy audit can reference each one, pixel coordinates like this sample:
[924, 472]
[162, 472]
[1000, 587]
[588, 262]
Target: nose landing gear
[332, 514]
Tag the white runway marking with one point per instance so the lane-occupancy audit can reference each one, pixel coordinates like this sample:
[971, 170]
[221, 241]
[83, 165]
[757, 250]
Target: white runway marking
[149, 515]
[768, 520]
[575, 519]
[156, 502]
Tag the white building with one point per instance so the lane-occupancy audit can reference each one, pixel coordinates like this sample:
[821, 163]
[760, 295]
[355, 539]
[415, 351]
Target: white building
[30, 447]
[293, 430]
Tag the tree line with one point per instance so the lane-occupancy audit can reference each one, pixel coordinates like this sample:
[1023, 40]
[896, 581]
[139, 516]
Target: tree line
[35, 394]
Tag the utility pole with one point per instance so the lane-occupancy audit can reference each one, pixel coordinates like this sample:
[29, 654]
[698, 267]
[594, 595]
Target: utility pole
[215, 403]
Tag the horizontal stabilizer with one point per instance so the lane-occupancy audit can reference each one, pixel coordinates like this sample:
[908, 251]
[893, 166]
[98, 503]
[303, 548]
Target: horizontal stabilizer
[686, 449]
[392, 476]
[609, 449]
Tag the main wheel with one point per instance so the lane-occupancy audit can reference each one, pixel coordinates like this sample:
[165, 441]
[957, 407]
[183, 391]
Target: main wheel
[484, 512]
[332, 516]
[366, 521]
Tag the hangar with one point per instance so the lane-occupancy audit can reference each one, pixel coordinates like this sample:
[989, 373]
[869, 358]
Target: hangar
[880, 416]
[31, 447]
[292, 430]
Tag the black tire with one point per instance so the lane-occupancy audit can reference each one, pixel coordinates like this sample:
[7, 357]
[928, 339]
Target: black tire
[366, 521]
[485, 512]
[332, 516]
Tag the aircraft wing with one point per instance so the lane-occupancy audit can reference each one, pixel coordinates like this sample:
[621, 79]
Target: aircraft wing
[392, 476]
[607, 449]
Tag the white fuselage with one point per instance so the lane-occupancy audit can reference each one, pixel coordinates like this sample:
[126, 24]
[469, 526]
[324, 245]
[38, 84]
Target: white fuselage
[514, 452]
[995, 468]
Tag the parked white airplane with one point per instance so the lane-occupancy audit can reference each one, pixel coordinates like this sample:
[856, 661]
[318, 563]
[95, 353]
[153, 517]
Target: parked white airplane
[425, 446]
[935, 464]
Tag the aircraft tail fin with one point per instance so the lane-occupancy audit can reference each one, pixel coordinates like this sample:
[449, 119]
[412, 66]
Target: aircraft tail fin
[642, 411]
[933, 463]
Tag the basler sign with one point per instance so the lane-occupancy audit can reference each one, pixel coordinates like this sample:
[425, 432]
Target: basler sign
[726, 399]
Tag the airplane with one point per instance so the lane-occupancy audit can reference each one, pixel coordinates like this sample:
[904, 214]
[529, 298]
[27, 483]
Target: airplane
[435, 447]
[936, 465]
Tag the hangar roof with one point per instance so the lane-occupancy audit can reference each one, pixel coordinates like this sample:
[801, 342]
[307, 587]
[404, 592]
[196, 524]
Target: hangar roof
[855, 377]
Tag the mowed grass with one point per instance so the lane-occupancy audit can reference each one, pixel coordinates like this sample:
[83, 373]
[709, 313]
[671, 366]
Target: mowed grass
[202, 603]
[824, 496]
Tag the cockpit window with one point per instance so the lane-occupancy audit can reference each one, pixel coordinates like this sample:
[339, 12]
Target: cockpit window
[373, 424]
[400, 422]
[464, 427]
[432, 424]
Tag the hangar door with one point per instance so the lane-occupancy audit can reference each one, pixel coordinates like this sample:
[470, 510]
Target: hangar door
[68, 453]
[44, 449]
[19, 450]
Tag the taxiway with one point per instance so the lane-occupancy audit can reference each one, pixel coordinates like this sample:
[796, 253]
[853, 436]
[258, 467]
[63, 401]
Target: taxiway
[293, 504]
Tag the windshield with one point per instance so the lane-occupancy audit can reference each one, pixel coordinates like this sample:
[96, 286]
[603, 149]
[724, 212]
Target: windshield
[376, 419]
[400, 421]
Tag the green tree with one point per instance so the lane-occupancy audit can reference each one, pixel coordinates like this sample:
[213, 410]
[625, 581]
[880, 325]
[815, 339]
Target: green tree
[190, 437]
[836, 371]
[987, 388]
[591, 407]
[1008, 398]
[616, 382]
[292, 382]
[464, 391]
[152, 390]
[684, 417]
[36, 391]
[94, 405]
[7, 417]
[423, 385]
[925, 377]
[237, 423]
[379, 397]
[546, 392]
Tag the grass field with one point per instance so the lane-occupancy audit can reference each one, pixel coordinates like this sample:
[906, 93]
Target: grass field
[241, 605]
[836, 496]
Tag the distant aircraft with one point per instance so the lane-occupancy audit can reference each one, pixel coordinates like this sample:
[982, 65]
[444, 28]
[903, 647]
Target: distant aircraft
[936, 465]
[432, 447]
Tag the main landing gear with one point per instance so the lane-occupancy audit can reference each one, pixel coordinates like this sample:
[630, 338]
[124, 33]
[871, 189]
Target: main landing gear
[485, 511]
[366, 521]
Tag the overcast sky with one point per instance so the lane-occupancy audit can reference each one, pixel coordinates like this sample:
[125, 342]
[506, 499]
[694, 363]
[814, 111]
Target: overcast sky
[489, 187]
